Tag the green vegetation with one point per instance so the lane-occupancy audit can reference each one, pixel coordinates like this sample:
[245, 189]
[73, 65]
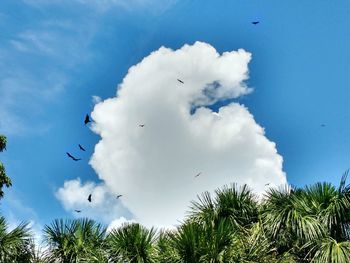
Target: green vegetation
[287, 225]
[15, 245]
[4, 179]
[75, 241]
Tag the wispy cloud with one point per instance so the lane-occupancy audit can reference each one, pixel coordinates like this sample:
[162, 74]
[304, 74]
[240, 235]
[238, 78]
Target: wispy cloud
[22, 96]
[50, 50]
[32, 41]
[58, 41]
[153, 6]
[18, 207]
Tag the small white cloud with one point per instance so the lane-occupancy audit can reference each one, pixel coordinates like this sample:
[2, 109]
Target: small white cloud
[104, 205]
[96, 99]
[154, 166]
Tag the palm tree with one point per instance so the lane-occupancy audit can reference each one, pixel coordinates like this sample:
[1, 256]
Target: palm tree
[311, 223]
[287, 220]
[236, 204]
[288, 225]
[12, 242]
[79, 240]
[216, 241]
[29, 252]
[165, 252]
[187, 242]
[328, 250]
[252, 245]
[132, 243]
[212, 223]
[332, 207]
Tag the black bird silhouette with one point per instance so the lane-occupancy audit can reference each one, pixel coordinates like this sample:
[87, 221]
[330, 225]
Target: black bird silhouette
[255, 22]
[142, 125]
[73, 158]
[78, 211]
[267, 184]
[87, 119]
[81, 148]
[198, 174]
[89, 198]
[118, 196]
[179, 80]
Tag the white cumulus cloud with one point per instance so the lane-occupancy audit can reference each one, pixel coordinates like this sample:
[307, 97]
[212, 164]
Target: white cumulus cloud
[154, 166]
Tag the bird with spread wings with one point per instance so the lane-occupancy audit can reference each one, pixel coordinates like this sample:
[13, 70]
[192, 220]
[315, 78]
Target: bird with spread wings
[72, 157]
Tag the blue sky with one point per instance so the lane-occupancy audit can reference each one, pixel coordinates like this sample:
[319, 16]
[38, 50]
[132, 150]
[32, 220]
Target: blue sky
[56, 55]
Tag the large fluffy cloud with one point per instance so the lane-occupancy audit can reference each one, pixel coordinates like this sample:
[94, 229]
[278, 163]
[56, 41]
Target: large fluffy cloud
[154, 166]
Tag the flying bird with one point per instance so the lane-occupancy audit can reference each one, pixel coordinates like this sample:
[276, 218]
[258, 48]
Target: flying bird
[267, 184]
[81, 148]
[78, 211]
[142, 125]
[179, 80]
[72, 157]
[87, 119]
[89, 198]
[255, 22]
[198, 174]
[118, 196]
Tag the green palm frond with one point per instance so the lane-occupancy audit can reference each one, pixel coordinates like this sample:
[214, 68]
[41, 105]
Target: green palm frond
[251, 245]
[3, 142]
[75, 240]
[287, 219]
[165, 252]
[328, 250]
[187, 241]
[12, 242]
[238, 204]
[4, 179]
[132, 243]
[204, 209]
[331, 206]
[216, 240]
